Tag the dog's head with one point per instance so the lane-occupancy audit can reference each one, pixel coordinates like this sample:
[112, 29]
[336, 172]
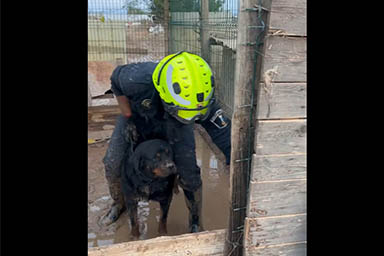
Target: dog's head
[155, 159]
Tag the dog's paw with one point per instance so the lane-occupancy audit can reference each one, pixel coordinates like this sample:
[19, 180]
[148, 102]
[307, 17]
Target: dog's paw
[162, 229]
[176, 189]
[135, 231]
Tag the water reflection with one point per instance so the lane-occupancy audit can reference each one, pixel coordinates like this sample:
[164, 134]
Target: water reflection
[100, 242]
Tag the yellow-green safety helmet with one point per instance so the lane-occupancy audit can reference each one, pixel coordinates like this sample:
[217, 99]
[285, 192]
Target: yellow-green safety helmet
[185, 84]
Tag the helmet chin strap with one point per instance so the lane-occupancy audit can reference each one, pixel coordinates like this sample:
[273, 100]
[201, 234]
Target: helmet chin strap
[172, 110]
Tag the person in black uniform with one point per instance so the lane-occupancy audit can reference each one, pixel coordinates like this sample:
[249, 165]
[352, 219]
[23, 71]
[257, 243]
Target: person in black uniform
[163, 101]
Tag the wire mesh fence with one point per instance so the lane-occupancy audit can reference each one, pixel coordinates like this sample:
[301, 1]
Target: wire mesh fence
[188, 23]
[128, 31]
[122, 32]
[125, 31]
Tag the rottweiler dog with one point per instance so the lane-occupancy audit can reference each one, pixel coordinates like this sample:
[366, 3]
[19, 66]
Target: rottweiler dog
[149, 174]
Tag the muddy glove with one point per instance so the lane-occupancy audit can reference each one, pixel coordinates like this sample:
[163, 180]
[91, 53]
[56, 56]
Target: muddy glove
[131, 134]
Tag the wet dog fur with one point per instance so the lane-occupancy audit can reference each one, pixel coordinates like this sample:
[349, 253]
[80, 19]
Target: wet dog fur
[149, 174]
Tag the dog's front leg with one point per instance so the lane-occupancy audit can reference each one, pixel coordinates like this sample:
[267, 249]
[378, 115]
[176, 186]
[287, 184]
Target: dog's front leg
[164, 205]
[132, 211]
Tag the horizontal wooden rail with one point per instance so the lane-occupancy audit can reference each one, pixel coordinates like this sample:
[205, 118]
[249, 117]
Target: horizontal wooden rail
[208, 243]
[98, 116]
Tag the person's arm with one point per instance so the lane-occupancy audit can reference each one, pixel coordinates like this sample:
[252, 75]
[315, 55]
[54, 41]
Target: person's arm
[219, 129]
[124, 106]
[122, 100]
[182, 140]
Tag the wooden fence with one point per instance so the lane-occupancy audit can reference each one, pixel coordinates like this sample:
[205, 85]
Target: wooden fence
[276, 211]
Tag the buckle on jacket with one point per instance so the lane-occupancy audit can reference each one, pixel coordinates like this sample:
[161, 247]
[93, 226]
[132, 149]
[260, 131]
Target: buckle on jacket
[218, 119]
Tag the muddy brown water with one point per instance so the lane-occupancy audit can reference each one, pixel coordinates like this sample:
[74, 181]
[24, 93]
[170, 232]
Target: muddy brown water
[215, 176]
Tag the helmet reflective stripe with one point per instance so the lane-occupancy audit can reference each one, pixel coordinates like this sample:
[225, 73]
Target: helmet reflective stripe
[209, 96]
[177, 97]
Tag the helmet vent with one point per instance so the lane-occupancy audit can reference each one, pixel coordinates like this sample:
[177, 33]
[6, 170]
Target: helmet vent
[176, 88]
[204, 74]
[179, 62]
[185, 78]
[201, 65]
[182, 69]
[187, 95]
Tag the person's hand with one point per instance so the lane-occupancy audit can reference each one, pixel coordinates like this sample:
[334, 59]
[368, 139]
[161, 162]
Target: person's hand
[131, 133]
[124, 106]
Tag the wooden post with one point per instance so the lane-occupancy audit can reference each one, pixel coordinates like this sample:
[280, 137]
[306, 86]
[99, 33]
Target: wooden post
[243, 121]
[167, 34]
[89, 96]
[204, 30]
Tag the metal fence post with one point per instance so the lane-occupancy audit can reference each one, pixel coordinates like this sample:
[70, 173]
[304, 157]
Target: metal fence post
[204, 30]
[166, 27]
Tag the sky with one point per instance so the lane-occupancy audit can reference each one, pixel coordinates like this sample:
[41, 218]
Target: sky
[105, 4]
[108, 5]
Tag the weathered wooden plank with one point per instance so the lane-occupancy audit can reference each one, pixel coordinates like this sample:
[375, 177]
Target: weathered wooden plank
[279, 167]
[225, 42]
[280, 136]
[89, 97]
[288, 57]
[289, 17]
[269, 231]
[277, 198]
[208, 243]
[98, 116]
[293, 249]
[282, 100]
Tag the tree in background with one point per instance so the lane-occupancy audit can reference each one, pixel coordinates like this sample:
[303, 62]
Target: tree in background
[216, 5]
[157, 6]
[136, 6]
